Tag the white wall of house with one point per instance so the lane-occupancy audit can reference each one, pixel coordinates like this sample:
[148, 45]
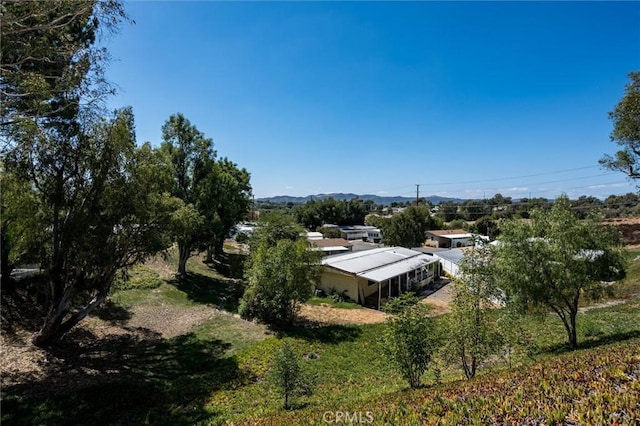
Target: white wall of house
[340, 282]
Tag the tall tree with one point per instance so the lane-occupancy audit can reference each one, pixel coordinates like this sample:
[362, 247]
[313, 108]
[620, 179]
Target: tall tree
[626, 130]
[193, 159]
[557, 258]
[102, 206]
[99, 199]
[224, 200]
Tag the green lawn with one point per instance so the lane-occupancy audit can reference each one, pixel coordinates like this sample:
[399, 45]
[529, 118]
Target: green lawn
[215, 373]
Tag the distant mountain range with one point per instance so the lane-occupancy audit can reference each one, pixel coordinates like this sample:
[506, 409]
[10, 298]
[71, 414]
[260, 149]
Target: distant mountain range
[378, 199]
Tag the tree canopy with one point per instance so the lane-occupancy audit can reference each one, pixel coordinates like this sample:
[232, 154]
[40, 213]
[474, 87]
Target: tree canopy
[556, 259]
[626, 130]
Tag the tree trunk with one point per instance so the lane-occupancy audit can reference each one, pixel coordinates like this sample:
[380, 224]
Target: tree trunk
[219, 248]
[183, 255]
[209, 256]
[6, 283]
[573, 330]
[51, 330]
[55, 326]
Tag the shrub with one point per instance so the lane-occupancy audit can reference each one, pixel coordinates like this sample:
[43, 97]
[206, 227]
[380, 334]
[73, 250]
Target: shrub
[400, 303]
[139, 277]
[409, 340]
[287, 376]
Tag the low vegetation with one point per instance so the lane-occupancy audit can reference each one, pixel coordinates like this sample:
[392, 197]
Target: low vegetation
[217, 372]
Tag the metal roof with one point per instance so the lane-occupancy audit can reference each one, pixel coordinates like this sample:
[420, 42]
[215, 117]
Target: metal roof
[379, 264]
[452, 236]
[454, 256]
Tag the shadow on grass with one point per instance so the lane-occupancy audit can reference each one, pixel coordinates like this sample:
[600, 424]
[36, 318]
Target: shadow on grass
[593, 342]
[322, 333]
[121, 379]
[203, 289]
[230, 265]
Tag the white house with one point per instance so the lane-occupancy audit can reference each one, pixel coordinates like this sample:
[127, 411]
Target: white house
[361, 232]
[371, 277]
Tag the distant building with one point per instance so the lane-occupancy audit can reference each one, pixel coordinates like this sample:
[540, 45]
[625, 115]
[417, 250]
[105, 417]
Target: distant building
[361, 232]
[331, 246]
[449, 238]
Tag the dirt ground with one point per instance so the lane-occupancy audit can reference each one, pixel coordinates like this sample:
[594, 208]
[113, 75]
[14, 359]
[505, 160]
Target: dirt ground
[331, 315]
[19, 359]
[438, 298]
[629, 228]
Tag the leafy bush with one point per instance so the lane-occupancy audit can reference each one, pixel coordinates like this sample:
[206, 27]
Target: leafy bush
[339, 297]
[409, 342]
[400, 303]
[139, 277]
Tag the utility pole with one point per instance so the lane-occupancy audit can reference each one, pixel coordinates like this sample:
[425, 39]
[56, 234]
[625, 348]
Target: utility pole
[417, 194]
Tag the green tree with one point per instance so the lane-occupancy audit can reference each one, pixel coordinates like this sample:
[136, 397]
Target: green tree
[281, 272]
[224, 200]
[626, 130]
[409, 341]
[557, 258]
[329, 232]
[101, 206]
[98, 208]
[447, 211]
[287, 376]
[472, 335]
[407, 229]
[50, 58]
[486, 226]
[193, 159]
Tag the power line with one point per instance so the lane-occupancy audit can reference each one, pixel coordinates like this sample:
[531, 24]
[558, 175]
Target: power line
[493, 179]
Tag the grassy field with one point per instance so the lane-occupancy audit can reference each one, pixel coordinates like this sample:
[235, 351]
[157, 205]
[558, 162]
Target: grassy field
[215, 373]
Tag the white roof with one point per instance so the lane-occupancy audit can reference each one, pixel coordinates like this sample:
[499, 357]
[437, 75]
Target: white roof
[454, 236]
[333, 248]
[314, 235]
[379, 264]
[454, 255]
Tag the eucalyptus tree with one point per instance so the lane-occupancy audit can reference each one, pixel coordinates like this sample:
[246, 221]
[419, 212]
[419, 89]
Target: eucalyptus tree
[98, 201]
[224, 200]
[193, 160]
[102, 205]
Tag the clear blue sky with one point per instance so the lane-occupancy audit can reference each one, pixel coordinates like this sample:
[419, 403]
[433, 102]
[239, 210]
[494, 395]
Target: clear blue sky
[465, 98]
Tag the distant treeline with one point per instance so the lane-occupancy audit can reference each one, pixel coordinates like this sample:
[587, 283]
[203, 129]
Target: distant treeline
[315, 213]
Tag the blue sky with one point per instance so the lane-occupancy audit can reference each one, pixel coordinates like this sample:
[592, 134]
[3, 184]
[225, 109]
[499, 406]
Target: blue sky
[466, 99]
